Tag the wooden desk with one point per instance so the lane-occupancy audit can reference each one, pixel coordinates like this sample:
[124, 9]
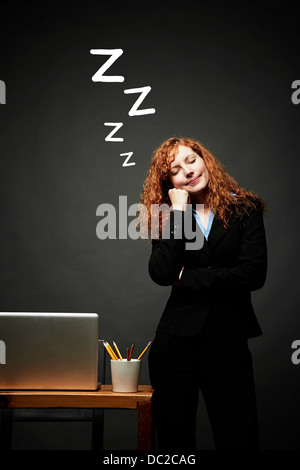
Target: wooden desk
[103, 398]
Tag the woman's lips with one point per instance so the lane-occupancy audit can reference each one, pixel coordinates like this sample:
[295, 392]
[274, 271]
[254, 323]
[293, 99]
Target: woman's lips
[194, 181]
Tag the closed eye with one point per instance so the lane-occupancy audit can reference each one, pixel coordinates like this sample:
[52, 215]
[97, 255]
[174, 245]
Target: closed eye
[175, 171]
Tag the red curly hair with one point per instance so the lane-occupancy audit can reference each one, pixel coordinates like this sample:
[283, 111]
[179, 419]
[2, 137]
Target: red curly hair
[224, 195]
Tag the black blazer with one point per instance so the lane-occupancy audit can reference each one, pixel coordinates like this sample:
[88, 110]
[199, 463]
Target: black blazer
[217, 280]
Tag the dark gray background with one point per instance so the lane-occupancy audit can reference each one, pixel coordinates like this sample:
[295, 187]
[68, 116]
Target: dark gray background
[220, 74]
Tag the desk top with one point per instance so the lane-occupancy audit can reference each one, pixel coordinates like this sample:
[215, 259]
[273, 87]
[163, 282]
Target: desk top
[102, 398]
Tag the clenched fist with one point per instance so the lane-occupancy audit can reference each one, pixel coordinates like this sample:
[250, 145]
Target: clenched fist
[179, 198]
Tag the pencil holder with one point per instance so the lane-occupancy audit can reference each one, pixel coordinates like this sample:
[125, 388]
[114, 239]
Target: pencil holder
[125, 375]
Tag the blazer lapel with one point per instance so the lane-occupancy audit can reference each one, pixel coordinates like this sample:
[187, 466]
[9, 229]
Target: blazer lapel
[217, 232]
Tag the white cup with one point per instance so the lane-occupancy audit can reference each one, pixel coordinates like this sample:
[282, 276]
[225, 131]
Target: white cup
[125, 375]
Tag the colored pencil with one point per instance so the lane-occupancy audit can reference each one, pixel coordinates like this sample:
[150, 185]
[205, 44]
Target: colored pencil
[143, 352]
[130, 352]
[110, 351]
[105, 345]
[117, 349]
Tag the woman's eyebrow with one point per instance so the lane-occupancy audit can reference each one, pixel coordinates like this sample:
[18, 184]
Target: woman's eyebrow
[189, 155]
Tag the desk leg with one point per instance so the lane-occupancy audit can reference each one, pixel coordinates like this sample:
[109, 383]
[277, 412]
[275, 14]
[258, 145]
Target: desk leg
[6, 428]
[144, 426]
[97, 429]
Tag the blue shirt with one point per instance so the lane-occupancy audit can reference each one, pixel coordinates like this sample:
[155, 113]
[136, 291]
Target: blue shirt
[210, 221]
[204, 230]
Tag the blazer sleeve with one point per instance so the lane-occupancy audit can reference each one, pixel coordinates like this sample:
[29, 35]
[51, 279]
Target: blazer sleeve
[250, 271]
[166, 259]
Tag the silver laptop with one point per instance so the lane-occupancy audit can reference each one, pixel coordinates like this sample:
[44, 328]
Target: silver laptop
[48, 351]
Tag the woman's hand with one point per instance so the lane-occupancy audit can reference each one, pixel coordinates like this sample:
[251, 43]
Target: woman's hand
[179, 198]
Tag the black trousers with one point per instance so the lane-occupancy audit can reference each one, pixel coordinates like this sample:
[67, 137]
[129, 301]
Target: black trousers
[179, 368]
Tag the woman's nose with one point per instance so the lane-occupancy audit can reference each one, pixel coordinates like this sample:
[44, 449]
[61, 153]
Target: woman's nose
[188, 172]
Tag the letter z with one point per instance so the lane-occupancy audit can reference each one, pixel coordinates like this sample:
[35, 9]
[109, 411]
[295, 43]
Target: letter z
[115, 54]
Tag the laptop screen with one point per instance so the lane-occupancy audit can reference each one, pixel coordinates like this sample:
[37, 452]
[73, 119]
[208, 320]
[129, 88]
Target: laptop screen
[48, 351]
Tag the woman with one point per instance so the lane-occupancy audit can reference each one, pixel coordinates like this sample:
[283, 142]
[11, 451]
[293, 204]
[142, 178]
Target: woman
[201, 341]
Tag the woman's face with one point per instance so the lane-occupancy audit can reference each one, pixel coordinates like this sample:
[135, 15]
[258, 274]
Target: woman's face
[188, 171]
